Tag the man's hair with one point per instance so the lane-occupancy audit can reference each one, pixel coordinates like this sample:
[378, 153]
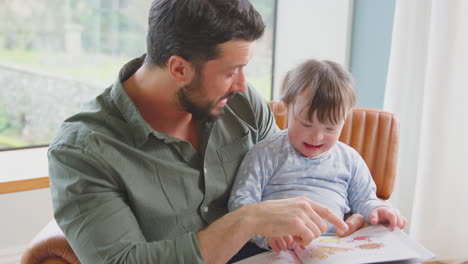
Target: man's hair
[326, 85]
[193, 29]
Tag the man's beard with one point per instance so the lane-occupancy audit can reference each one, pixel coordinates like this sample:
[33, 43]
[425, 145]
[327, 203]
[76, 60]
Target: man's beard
[186, 97]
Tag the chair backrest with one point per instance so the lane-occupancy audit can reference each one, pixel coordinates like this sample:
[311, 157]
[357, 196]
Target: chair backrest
[373, 133]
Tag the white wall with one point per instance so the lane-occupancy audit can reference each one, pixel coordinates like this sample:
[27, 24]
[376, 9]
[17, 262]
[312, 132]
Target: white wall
[311, 29]
[24, 214]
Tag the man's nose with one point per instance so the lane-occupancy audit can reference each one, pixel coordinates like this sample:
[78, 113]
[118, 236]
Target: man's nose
[240, 83]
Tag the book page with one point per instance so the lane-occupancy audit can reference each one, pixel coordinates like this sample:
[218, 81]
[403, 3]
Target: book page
[368, 245]
[270, 257]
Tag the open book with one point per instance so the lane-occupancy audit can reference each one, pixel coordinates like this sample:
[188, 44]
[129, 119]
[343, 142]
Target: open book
[372, 244]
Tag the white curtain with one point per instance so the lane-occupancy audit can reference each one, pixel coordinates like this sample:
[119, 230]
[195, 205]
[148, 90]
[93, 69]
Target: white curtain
[427, 88]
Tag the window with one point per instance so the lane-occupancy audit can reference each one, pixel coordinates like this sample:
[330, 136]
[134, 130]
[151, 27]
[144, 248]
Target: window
[57, 54]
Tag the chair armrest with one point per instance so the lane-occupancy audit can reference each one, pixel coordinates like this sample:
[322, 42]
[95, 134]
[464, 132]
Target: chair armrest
[49, 247]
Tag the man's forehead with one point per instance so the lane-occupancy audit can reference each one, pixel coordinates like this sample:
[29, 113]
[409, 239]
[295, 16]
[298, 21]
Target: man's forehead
[236, 52]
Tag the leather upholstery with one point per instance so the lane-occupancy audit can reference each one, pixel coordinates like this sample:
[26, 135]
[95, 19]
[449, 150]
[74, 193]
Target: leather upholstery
[373, 133]
[49, 247]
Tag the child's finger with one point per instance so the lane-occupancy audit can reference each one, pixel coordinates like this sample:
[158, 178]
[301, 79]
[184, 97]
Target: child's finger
[374, 216]
[354, 222]
[401, 222]
[297, 239]
[404, 222]
[392, 219]
[282, 244]
[289, 241]
[274, 246]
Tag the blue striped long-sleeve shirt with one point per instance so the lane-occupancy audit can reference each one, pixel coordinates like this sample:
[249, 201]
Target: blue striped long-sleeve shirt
[273, 169]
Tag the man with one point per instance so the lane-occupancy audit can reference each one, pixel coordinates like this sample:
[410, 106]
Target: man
[143, 173]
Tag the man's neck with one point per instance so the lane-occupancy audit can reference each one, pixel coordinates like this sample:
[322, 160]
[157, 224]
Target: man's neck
[154, 92]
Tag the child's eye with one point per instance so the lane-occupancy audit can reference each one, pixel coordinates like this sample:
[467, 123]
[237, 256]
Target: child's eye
[331, 129]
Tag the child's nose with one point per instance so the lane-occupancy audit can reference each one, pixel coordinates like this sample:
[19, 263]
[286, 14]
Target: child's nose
[317, 137]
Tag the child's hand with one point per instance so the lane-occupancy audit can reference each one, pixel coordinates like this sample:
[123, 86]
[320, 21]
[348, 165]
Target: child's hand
[354, 222]
[281, 243]
[387, 215]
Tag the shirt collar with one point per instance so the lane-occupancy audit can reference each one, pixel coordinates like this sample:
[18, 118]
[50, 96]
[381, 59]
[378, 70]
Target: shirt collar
[131, 114]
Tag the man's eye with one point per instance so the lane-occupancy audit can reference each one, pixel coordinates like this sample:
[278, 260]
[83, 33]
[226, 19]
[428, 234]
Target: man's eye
[232, 75]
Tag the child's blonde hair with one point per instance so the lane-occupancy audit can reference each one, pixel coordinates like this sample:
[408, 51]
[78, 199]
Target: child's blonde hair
[328, 86]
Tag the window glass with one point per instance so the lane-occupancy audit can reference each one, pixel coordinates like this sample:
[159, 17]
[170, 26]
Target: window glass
[259, 70]
[57, 54]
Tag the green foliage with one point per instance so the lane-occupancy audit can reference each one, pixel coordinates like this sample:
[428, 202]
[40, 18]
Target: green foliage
[40, 24]
[4, 119]
[93, 67]
[265, 8]
[32, 35]
[7, 129]
[7, 142]
[262, 84]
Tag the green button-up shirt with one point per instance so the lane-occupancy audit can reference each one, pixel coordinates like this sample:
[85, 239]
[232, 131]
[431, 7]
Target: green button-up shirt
[125, 193]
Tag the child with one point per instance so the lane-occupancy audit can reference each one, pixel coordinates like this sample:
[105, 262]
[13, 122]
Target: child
[307, 159]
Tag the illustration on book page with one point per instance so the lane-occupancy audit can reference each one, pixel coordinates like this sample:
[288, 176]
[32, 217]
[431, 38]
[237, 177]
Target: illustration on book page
[371, 244]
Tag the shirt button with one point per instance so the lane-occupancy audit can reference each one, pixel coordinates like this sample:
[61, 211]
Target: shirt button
[205, 209]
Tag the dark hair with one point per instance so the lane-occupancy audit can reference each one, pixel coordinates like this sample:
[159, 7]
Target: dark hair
[327, 85]
[193, 29]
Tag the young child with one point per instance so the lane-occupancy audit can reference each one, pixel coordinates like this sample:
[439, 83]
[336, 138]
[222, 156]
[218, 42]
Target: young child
[307, 159]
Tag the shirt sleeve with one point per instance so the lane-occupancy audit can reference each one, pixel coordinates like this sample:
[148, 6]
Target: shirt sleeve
[90, 207]
[362, 190]
[252, 177]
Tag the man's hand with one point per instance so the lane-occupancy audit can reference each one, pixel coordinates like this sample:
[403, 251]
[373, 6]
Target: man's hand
[299, 217]
[387, 215]
[354, 222]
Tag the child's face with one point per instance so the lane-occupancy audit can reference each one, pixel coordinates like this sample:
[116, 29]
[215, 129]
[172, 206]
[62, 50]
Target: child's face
[311, 138]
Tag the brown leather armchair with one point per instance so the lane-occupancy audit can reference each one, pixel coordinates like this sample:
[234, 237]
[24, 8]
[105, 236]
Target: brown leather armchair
[49, 247]
[373, 133]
